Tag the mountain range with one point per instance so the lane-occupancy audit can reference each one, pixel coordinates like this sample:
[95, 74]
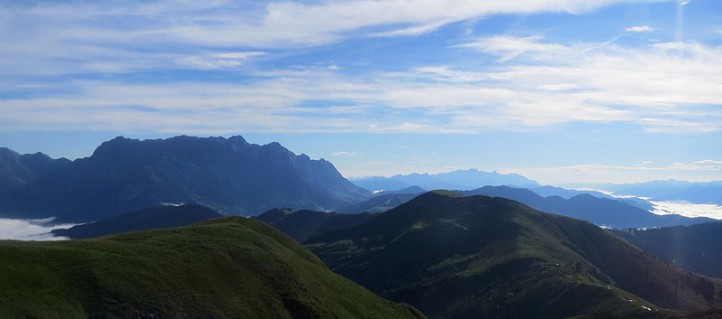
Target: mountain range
[607, 212]
[468, 257]
[232, 267]
[595, 207]
[229, 175]
[17, 171]
[671, 190]
[459, 179]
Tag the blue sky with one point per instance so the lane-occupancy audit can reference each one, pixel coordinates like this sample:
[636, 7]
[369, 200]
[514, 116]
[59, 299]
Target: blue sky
[562, 91]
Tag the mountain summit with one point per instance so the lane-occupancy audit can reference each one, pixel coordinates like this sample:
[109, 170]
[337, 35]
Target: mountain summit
[229, 175]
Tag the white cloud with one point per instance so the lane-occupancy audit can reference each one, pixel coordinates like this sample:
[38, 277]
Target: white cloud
[639, 28]
[709, 165]
[29, 229]
[111, 37]
[687, 209]
[508, 47]
[662, 88]
[218, 60]
[665, 87]
[413, 31]
[345, 154]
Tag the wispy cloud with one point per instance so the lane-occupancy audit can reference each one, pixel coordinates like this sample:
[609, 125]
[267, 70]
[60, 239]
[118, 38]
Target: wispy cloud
[217, 60]
[508, 47]
[710, 164]
[662, 88]
[111, 37]
[639, 28]
[535, 84]
[345, 154]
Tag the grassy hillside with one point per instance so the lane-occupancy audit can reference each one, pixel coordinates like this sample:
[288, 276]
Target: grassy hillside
[471, 257]
[225, 268]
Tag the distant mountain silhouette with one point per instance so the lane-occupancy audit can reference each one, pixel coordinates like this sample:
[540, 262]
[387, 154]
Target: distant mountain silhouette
[17, 171]
[482, 257]
[600, 211]
[230, 176]
[459, 179]
[708, 193]
[304, 224]
[672, 190]
[697, 247]
[144, 219]
[547, 190]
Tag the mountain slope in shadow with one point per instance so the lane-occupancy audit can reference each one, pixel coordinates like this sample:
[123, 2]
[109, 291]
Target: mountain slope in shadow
[468, 257]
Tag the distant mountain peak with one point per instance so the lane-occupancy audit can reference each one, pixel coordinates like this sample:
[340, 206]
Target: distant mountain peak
[457, 180]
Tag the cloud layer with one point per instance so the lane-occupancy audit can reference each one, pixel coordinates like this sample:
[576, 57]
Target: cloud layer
[662, 88]
[21, 229]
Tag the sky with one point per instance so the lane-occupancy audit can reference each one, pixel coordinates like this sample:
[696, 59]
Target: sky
[561, 91]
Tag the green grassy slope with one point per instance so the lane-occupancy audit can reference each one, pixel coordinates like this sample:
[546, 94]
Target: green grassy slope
[225, 268]
[471, 257]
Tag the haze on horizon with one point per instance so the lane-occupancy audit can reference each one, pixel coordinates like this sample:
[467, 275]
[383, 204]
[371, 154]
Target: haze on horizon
[561, 92]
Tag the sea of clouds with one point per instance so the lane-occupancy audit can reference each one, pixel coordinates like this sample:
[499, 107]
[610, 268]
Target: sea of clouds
[30, 229]
[687, 209]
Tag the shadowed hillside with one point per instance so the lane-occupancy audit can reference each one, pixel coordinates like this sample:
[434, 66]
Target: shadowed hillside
[697, 247]
[470, 257]
[304, 224]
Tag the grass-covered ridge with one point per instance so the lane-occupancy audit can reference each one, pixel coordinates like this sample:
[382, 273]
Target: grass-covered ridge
[225, 268]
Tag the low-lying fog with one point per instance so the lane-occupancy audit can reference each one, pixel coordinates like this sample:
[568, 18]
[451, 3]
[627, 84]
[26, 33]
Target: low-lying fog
[30, 229]
[687, 209]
